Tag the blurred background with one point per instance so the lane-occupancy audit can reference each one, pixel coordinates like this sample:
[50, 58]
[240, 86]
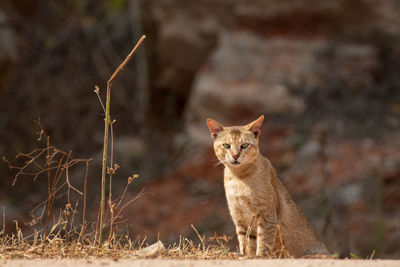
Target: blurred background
[325, 74]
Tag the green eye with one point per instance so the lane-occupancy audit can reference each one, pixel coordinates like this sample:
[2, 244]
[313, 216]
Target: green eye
[244, 146]
[227, 146]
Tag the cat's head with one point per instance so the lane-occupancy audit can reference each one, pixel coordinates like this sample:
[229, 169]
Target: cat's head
[236, 146]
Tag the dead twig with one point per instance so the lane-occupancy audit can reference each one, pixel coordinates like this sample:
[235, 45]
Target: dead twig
[106, 128]
[200, 237]
[84, 203]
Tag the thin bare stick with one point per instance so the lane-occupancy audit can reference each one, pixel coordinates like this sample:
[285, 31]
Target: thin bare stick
[106, 127]
[111, 172]
[43, 170]
[97, 226]
[128, 203]
[130, 180]
[4, 220]
[48, 191]
[372, 255]
[52, 193]
[84, 203]
[127, 59]
[111, 169]
[29, 162]
[104, 165]
[97, 91]
[69, 184]
[199, 236]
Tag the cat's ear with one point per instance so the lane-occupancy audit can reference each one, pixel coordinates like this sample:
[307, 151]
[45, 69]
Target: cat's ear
[214, 127]
[255, 126]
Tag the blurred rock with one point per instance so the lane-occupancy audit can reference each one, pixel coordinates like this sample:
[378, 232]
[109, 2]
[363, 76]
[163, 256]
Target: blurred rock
[316, 18]
[8, 52]
[348, 65]
[180, 42]
[251, 74]
[248, 74]
[152, 250]
[8, 47]
[307, 154]
[350, 194]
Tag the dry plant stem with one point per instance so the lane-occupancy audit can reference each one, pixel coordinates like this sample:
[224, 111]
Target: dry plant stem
[97, 227]
[199, 236]
[372, 255]
[123, 195]
[106, 126]
[103, 172]
[84, 204]
[127, 59]
[48, 190]
[69, 184]
[111, 174]
[52, 194]
[4, 220]
[128, 203]
[56, 163]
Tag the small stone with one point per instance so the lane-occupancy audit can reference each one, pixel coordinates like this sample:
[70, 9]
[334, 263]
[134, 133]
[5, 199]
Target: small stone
[152, 250]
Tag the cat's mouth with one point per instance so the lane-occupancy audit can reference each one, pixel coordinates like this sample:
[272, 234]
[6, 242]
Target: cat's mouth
[235, 163]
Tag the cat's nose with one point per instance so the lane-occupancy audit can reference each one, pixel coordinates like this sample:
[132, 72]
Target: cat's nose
[236, 156]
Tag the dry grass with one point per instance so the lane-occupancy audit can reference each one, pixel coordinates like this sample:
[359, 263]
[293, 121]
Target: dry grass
[66, 231]
[15, 247]
[119, 247]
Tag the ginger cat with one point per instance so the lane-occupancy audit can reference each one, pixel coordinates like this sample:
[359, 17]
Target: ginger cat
[258, 201]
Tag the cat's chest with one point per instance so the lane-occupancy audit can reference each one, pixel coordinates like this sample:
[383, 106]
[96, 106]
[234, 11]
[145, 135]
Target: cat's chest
[242, 195]
[236, 188]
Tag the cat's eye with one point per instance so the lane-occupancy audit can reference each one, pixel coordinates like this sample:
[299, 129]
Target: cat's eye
[227, 146]
[244, 146]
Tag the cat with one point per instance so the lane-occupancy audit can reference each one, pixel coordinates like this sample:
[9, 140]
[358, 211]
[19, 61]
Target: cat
[258, 202]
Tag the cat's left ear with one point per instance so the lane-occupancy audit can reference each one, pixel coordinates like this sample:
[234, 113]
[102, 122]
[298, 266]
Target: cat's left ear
[214, 127]
[255, 126]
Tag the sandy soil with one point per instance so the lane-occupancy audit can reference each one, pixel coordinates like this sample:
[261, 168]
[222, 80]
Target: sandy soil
[201, 263]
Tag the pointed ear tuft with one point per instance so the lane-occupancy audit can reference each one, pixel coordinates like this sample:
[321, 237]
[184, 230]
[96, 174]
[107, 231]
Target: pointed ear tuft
[214, 127]
[255, 126]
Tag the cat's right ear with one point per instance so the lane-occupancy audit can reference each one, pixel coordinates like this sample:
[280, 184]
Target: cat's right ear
[214, 127]
[255, 126]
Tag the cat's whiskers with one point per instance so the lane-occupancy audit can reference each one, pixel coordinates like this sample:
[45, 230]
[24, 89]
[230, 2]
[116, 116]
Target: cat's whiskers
[221, 162]
[216, 161]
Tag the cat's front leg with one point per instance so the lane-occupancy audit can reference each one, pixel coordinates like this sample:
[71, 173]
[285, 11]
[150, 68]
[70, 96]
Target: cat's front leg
[251, 245]
[266, 231]
[241, 234]
[247, 241]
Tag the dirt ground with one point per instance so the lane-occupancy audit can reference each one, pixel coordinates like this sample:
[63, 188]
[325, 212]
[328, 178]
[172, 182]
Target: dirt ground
[200, 263]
